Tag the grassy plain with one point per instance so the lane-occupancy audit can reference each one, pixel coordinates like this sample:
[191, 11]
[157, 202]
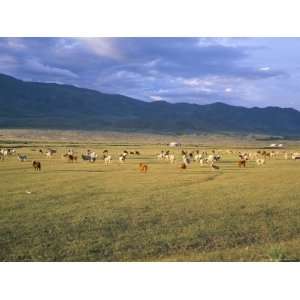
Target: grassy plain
[91, 212]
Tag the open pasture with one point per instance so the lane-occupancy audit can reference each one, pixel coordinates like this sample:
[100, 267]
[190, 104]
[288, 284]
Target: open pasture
[84, 211]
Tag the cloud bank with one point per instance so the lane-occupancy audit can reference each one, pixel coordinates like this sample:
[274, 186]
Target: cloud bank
[239, 71]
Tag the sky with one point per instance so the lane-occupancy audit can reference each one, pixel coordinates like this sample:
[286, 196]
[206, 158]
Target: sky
[239, 71]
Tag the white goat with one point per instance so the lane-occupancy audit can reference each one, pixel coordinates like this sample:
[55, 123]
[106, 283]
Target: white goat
[172, 158]
[260, 161]
[22, 157]
[107, 160]
[122, 158]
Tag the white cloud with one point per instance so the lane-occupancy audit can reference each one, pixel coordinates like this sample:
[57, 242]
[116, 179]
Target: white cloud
[228, 90]
[223, 41]
[265, 69]
[7, 60]
[104, 47]
[16, 43]
[36, 66]
[156, 98]
[152, 63]
[197, 82]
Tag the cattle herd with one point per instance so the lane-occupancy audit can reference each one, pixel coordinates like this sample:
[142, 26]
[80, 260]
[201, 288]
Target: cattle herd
[186, 158]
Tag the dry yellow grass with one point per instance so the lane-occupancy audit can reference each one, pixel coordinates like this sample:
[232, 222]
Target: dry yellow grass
[91, 212]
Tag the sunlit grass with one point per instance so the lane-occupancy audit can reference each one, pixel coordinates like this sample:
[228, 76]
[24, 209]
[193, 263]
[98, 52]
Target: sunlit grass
[92, 212]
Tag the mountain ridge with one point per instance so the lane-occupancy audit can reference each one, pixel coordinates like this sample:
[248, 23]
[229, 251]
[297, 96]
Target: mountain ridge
[26, 104]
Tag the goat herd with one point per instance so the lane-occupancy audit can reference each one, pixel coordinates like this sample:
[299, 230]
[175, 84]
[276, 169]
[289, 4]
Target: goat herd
[212, 158]
[203, 158]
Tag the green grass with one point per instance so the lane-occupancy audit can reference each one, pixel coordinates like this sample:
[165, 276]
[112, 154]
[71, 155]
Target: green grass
[92, 212]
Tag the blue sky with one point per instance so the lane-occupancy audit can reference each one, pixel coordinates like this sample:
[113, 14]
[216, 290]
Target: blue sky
[239, 71]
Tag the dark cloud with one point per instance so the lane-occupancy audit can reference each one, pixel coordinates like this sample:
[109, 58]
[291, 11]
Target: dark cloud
[174, 69]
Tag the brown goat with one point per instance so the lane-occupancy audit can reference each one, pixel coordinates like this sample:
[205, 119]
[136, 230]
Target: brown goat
[242, 163]
[71, 157]
[37, 165]
[183, 166]
[214, 167]
[143, 168]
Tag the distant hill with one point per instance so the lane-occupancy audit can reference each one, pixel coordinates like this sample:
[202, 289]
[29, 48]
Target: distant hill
[54, 106]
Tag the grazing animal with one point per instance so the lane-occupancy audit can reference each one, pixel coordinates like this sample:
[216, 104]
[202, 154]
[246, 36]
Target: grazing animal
[4, 152]
[296, 156]
[198, 157]
[214, 167]
[22, 157]
[131, 153]
[183, 166]
[50, 153]
[11, 151]
[243, 156]
[167, 155]
[71, 157]
[217, 157]
[260, 161]
[164, 155]
[137, 153]
[143, 168]
[185, 160]
[36, 165]
[161, 155]
[93, 156]
[85, 157]
[105, 151]
[122, 158]
[1, 156]
[70, 152]
[88, 157]
[211, 158]
[107, 160]
[242, 163]
[172, 158]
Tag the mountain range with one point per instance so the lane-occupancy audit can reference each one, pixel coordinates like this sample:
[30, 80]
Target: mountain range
[25, 104]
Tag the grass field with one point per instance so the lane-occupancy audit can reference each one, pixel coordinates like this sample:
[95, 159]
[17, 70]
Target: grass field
[91, 212]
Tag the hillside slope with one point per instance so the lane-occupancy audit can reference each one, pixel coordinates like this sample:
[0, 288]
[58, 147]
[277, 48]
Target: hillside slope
[54, 106]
